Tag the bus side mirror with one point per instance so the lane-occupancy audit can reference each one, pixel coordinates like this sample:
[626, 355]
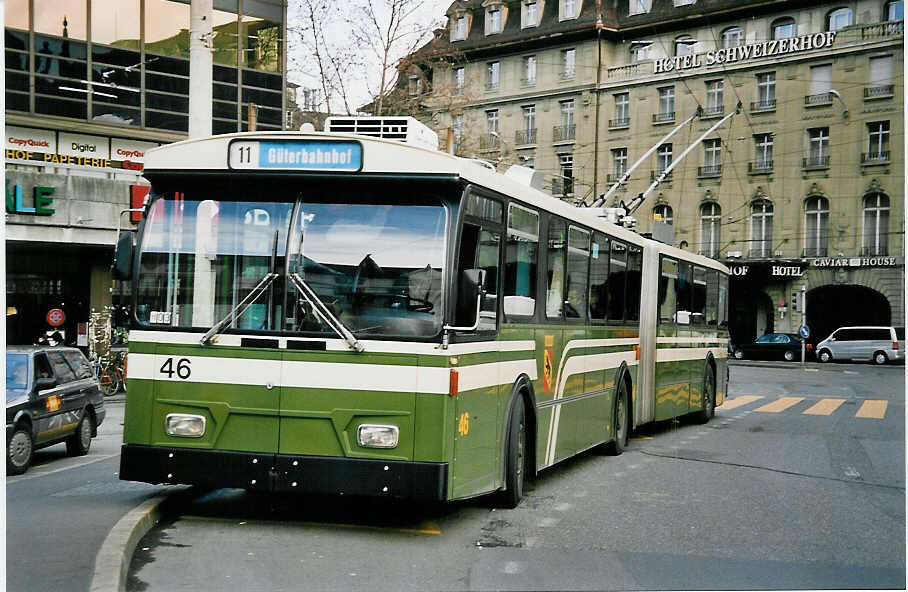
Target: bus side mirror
[123, 256]
[469, 298]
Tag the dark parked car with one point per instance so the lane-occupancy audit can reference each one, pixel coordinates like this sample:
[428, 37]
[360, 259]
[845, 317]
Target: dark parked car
[52, 396]
[773, 346]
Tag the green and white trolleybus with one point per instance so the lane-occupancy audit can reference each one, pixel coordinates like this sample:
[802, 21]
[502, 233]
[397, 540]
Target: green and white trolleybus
[329, 313]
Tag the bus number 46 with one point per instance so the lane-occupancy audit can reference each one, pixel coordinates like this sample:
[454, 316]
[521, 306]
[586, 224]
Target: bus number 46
[182, 368]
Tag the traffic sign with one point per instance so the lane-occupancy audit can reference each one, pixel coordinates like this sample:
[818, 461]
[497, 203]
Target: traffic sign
[55, 317]
[804, 331]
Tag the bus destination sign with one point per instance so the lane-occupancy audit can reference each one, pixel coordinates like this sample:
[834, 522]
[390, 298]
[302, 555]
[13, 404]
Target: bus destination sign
[296, 155]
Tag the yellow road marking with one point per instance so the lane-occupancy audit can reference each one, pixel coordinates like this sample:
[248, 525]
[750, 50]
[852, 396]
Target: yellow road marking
[739, 401]
[872, 409]
[825, 407]
[640, 438]
[780, 404]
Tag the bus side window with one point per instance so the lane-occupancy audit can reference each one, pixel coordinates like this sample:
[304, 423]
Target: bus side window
[667, 290]
[712, 297]
[554, 295]
[599, 277]
[634, 281]
[577, 273]
[684, 288]
[480, 248]
[723, 300]
[616, 281]
[698, 308]
[521, 263]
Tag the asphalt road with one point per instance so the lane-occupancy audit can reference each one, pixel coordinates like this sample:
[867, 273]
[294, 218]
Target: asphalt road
[60, 511]
[799, 482]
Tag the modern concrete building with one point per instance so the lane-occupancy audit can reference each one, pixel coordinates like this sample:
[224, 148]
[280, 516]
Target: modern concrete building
[91, 85]
[802, 189]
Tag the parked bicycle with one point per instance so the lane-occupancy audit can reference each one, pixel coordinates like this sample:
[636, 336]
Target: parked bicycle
[111, 372]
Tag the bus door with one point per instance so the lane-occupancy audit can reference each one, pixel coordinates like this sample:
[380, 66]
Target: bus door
[479, 403]
[672, 375]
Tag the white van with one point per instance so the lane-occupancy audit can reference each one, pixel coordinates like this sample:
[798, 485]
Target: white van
[880, 344]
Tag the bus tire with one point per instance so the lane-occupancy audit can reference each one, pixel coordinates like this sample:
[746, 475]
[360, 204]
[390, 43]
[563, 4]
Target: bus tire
[709, 398]
[619, 421]
[515, 469]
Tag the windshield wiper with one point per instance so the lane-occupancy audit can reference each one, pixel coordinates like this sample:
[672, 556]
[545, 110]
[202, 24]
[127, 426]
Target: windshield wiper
[239, 309]
[324, 313]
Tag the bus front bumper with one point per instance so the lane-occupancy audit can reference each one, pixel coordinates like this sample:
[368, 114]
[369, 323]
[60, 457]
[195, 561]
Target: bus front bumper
[422, 481]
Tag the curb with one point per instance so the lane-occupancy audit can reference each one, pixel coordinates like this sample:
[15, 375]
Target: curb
[113, 558]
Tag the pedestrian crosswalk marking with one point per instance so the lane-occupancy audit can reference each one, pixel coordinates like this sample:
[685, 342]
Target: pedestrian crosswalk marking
[780, 404]
[872, 409]
[739, 401]
[825, 407]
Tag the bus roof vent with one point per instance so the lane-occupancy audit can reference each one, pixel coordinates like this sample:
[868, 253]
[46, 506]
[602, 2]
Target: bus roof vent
[403, 129]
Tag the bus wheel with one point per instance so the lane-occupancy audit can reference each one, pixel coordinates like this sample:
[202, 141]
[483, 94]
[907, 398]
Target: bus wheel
[709, 398]
[515, 475]
[619, 422]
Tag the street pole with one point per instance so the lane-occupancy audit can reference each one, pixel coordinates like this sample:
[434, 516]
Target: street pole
[200, 67]
[803, 301]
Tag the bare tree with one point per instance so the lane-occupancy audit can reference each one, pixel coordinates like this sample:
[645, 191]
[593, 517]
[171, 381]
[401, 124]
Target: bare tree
[385, 30]
[326, 56]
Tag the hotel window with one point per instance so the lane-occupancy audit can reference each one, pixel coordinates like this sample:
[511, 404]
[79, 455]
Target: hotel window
[710, 226]
[622, 110]
[663, 157]
[458, 130]
[732, 37]
[493, 73]
[816, 221]
[684, 45]
[413, 85]
[459, 80]
[529, 70]
[566, 130]
[839, 19]
[880, 78]
[666, 104]
[818, 147]
[459, 29]
[762, 152]
[529, 13]
[761, 228]
[528, 134]
[894, 10]
[664, 213]
[820, 84]
[493, 20]
[766, 90]
[566, 173]
[638, 6]
[784, 28]
[878, 140]
[876, 225]
[640, 51]
[493, 138]
[568, 9]
[712, 156]
[715, 102]
[568, 62]
[619, 163]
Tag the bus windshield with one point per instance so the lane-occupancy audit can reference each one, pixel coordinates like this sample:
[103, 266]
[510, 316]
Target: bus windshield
[377, 267]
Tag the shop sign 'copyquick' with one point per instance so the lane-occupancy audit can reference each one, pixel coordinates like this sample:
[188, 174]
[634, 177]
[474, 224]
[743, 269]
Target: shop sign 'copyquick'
[297, 156]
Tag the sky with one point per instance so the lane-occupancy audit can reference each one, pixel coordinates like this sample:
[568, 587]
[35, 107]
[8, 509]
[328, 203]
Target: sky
[432, 10]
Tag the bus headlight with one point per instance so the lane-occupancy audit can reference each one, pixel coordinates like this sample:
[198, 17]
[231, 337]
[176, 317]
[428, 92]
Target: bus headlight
[184, 425]
[377, 436]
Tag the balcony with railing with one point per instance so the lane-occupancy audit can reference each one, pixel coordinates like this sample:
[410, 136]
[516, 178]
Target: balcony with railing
[619, 123]
[871, 158]
[563, 133]
[525, 136]
[879, 91]
[815, 161]
[489, 142]
[756, 167]
[763, 106]
[655, 173]
[492, 85]
[819, 100]
[666, 117]
[710, 170]
[562, 185]
[877, 251]
[614, 177]
[713, 112]
[815, 252]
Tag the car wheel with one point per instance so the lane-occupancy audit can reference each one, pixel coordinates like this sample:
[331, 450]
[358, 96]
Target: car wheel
[789, 356]
[880, 358]
[709, 398]
[515, 474]
[19, 451]
[739, 354]
[79, 443]
[824, 356]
